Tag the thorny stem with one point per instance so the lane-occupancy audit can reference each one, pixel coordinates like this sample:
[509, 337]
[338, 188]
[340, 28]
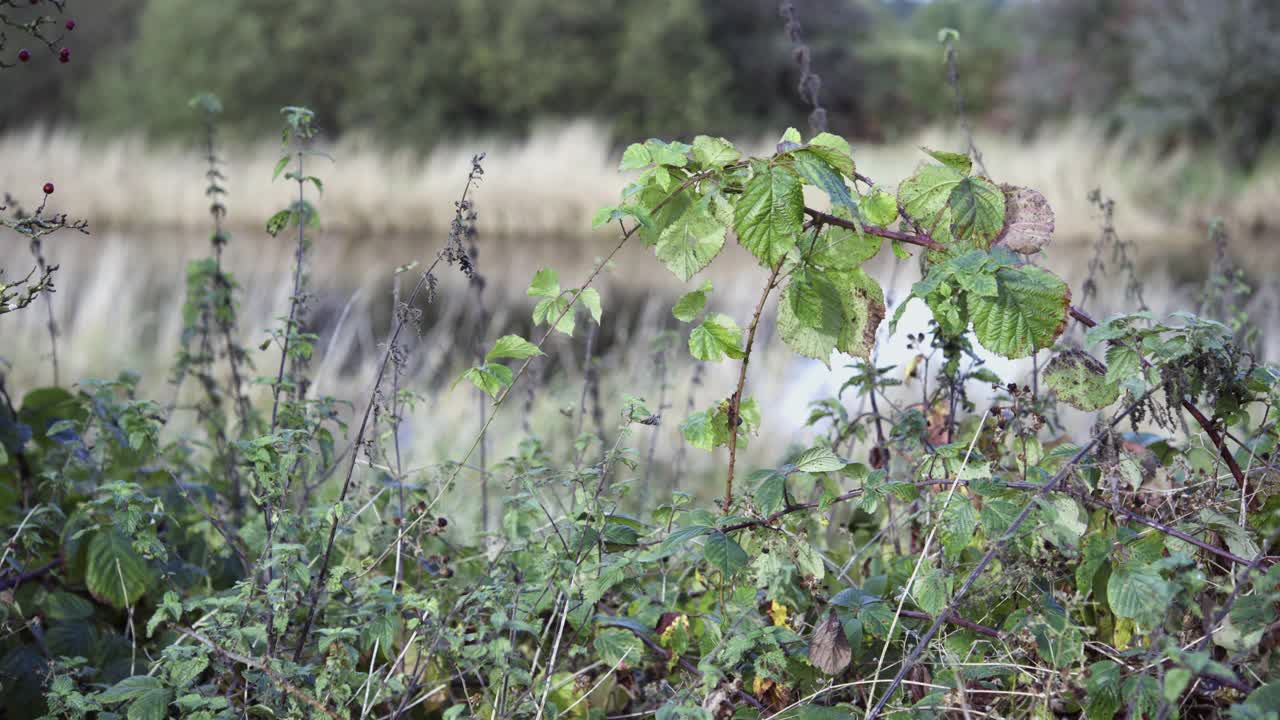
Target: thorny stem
[318, 581]
[923, 240]
[996, 548]
[735, 400]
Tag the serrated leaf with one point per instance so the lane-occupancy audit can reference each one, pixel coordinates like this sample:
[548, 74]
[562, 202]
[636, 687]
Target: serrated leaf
[699, 431]
[924, 197]
[769, 214]
[554, 310]
[675, 153]
[851, 328]
[977, 212]
[513, 346]
[835, 151]
[931, 591]
[692, 303]
[545, 283]
[1123, 364]
[1028, 220]
[490, 378]
[840, 248]
[590, 299]
[151, 705]
[280, 166]
[814, 168]
[1080, 381]
[770, 495]
[689, 244]
[716, 337]
[724, 553]
[613, 646]
[879, 207]
[819, 459]
[114, 573]
[636, 156]
[959, 522]
[1137, 592]
[714, 152]
[959, 162]
[129, 688]
[682, 535]
[1027, 314]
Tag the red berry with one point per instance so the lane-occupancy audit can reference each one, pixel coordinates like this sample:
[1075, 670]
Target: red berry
[48, 188]
[71, 24]
[24, 55]
[64, 55]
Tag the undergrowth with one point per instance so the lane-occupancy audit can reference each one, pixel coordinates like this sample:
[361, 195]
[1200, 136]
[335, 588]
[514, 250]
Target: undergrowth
[942, 557]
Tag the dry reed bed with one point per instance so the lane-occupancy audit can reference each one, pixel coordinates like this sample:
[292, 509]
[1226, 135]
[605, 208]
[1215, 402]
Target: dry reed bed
[550, 183]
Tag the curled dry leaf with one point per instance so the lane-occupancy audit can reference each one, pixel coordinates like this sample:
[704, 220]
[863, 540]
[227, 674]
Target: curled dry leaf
[829, 649]
[1028, 220]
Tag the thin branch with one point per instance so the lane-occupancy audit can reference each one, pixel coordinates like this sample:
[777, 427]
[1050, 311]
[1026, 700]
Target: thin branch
[735, 400]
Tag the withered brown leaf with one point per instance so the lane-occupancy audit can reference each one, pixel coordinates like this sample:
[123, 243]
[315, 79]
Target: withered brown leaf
[829, 649]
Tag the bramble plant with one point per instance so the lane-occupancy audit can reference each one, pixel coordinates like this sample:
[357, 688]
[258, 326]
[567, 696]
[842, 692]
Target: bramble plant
[941, 557]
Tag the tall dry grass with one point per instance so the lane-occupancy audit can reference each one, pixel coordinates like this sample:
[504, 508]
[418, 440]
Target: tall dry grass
[550, 183]
[120, 289]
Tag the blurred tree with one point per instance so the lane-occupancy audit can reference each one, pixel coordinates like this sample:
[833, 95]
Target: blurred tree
[43, 90]
[1209, 71]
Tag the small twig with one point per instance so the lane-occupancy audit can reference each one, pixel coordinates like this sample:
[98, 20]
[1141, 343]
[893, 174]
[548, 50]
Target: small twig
[262, 667]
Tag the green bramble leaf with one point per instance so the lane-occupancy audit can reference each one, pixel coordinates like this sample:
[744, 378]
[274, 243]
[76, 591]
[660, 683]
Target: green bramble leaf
[724, 553]
[819, 460]
[512, 346]
[815, 169]
[959, 162]
[115, 574]
[130, 688]
[491, 378]
[716, 337]
[635, 157]
[689, 244]
[925, 195]
[931, 591]
[692, 303]
[614, 646]
[546, 283]
[835, 151]
[1138, 592]
[1080, 381]
[590, 299]
[549, 309]
[770, 494]
[769, 214]
[840, 248]
[606, 215]
[675, 153]
[814, 326]
[977, 212]
[879, 207]
[714, 152]
[1027, 314]
[790, 137]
